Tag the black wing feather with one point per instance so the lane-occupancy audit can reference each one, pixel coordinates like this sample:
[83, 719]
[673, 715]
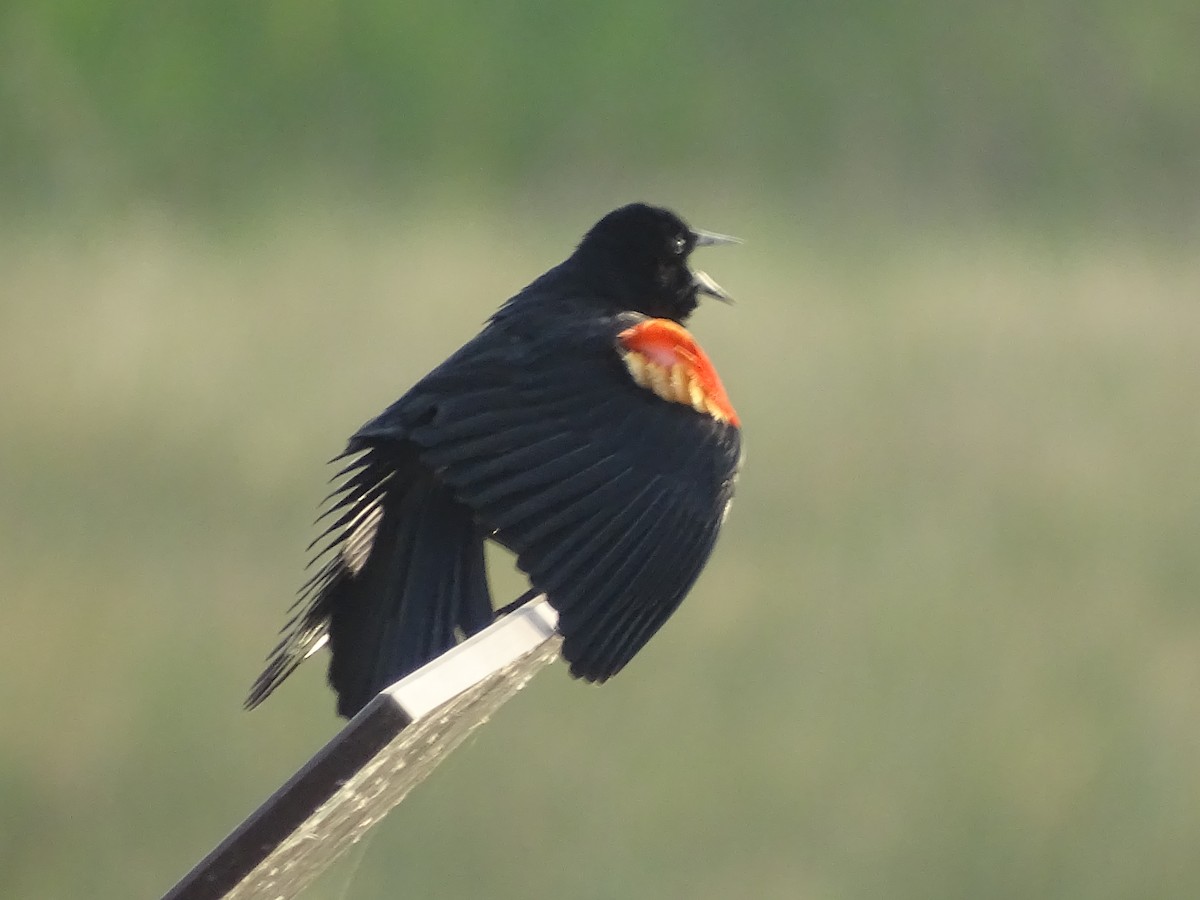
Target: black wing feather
[400, 576]
[610, 496]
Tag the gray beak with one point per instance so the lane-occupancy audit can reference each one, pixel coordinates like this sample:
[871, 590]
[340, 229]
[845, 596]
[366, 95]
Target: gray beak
[712, 239]
[705, 284]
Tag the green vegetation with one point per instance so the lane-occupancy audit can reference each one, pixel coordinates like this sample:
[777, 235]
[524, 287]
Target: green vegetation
[1055, 108]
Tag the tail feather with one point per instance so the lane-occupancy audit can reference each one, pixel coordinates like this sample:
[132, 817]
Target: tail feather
[403, 608]
[401, 577]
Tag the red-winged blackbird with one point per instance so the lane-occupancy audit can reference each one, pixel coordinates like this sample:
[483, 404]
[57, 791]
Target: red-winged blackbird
[583, 428]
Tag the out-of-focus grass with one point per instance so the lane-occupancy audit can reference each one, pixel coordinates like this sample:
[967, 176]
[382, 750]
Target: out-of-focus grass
[948, 647]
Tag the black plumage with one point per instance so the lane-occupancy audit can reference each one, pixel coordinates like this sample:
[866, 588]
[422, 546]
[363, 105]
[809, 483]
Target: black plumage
[535, 435]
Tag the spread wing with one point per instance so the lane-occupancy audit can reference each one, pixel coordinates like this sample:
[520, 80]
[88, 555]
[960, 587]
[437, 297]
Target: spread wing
[610, 494]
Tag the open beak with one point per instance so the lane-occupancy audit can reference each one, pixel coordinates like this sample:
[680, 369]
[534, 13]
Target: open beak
[705, 284]
[712, 239]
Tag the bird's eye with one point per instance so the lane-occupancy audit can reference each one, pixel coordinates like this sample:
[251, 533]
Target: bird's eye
[679, 246]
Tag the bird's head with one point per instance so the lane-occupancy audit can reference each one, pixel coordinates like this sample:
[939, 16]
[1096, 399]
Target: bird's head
[642, 251]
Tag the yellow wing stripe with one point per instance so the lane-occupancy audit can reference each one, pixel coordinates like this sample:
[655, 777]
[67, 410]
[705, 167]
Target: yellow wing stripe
[675, 384]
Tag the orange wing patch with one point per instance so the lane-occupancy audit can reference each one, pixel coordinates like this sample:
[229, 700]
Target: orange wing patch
[662, 357]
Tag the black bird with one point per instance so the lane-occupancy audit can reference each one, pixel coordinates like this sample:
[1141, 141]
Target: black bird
[583, 428]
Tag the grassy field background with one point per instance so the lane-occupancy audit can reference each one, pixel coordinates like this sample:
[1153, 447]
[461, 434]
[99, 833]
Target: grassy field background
[949, 645]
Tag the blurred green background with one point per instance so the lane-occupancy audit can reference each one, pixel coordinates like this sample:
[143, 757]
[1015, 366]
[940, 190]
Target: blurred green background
[949, 645]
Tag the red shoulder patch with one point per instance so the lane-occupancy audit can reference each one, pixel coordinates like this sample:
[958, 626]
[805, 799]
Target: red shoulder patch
[663, 357]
